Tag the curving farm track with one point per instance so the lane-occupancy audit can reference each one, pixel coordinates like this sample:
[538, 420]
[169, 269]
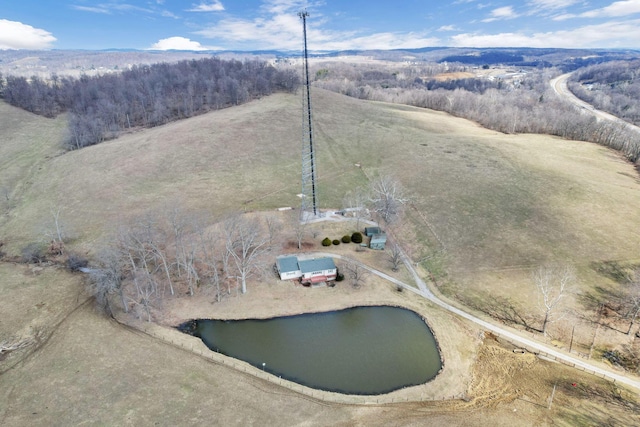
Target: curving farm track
[509, 334]
[559, 85]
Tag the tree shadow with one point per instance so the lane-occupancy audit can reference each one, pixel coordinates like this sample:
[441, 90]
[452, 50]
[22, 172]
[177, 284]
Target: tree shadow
[603, 306]
[612, 270]
[505, 310]
[608, 395]
[606, 305]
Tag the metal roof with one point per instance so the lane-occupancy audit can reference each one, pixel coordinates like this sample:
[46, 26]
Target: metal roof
[370, 231]
[318, 264]
[287, 264]
[379, 238]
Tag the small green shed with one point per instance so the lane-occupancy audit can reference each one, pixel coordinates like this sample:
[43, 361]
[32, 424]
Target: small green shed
[377, 237]
[378, 241]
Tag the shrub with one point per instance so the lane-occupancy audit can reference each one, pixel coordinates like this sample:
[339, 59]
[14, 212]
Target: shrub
[326, 241]
[346, 239]
[33, 252]
[339, 277]
[336, 242]
[75, 262]
[356, 237]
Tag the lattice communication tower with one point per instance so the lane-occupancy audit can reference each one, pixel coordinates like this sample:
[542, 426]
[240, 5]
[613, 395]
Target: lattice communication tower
[309, 206]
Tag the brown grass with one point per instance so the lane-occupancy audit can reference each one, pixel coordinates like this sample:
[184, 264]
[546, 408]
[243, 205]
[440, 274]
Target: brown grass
[500, 204]
[496, 201]
[93, 370]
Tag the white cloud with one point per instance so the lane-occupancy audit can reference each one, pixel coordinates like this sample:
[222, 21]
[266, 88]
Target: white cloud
[505, 12]
[113, 8]
[279, 27]
[285, 32]
[283, 6]
[378, 41]
[169, 14]
[619, 8]
[179, 43]
[96, 9]
[614, 10]
[448, 28]
[280, 31]
[552, 4]
[564, 17]
[607, 35]
[215, 6]
[16, 35]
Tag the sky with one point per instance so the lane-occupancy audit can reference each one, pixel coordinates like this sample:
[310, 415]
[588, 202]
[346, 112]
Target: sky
[331, 24]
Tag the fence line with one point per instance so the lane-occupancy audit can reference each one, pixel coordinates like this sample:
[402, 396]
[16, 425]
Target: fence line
[324, 396]
[566, 362]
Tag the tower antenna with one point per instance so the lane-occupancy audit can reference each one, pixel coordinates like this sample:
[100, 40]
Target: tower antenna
[309, 206]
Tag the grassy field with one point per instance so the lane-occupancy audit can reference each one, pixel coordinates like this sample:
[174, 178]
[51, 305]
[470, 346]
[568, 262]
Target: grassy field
[496, 201]
[500, 204]
[91, 370]
[489, 206]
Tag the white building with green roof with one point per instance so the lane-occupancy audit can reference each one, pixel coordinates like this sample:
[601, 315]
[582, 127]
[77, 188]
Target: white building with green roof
[307, 271]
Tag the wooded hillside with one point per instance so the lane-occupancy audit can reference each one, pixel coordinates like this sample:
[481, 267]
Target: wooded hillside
[101, 107]
[514, 102]
[613, 87]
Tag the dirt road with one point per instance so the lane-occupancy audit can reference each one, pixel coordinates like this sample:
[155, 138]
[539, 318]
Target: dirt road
[559, 85]
[511, 335]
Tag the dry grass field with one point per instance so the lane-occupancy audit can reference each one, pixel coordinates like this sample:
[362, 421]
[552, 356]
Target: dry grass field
[93, 371]
[486, 209]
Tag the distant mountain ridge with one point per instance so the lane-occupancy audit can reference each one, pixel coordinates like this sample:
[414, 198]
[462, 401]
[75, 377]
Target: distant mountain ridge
[26, 63]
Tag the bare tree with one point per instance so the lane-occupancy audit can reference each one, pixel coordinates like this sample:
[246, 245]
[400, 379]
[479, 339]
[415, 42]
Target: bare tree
[149, 242]
[144, 259]
[193, 277]
[300, 229]
[209, 261]
[225, 258]
[356, 273]
[178, 227]
[159, 256]
[107, 278]
[55, 232]
[245, 245]
[633, 299]
[552, 284]
[273, 227]
[147, 292]
[387, 198]
[354, 204]
[394, 256]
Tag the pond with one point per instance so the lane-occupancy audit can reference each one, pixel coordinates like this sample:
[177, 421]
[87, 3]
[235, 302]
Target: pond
[360, 350]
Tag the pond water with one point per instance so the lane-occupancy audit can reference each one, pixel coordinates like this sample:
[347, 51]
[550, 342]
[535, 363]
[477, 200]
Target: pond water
[361, 350]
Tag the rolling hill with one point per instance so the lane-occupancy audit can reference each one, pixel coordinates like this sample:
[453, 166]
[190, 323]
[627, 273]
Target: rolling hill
[487, 206]
[495, 201]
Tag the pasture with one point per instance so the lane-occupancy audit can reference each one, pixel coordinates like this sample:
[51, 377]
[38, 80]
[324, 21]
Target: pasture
[486, 209]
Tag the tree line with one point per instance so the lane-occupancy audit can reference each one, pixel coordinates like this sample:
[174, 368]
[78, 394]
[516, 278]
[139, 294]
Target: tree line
[523, 105]
[159, 255]
[102, 107]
